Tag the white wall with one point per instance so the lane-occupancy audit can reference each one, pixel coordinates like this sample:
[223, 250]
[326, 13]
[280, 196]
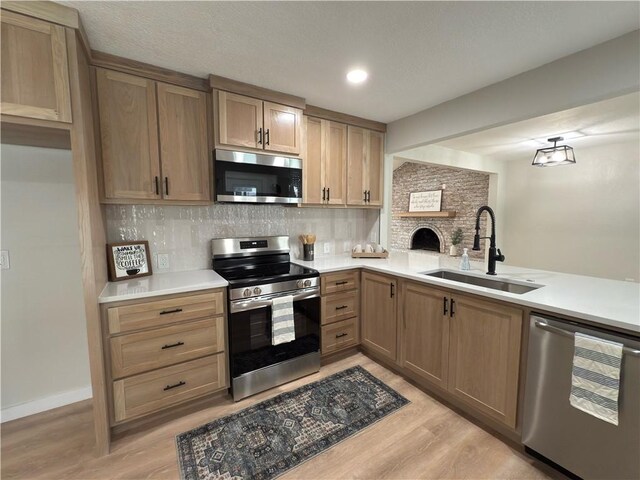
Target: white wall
[44, 344]
[604, 71]
[582, 218]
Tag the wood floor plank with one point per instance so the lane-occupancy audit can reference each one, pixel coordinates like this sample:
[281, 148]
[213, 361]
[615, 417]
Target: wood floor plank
[424, 439]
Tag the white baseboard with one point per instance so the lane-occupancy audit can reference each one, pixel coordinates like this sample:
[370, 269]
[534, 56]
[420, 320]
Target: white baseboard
[43, 404]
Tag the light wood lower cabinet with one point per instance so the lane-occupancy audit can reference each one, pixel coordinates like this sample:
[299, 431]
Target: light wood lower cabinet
[147, 350]
[158, 389]
[159, 353]
[378, 311]
[340, 309]
[339, 335]
[468, 347]
[484, 356]
[425, 332]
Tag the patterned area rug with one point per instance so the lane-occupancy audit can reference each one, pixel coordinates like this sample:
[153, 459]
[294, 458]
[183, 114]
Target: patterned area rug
[264, 441]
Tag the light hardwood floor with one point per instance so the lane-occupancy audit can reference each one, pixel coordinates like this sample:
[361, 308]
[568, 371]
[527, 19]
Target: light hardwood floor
[422, 440]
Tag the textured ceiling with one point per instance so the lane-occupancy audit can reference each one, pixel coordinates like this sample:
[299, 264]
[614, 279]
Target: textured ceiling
[418, 54]
[611, 121]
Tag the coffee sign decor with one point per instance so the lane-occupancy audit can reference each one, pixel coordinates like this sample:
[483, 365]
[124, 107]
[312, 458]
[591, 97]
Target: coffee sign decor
[128, 260]
[430, 201]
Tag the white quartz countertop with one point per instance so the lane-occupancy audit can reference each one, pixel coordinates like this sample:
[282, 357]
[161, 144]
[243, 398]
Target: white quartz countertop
[161, 284]
[605, 302]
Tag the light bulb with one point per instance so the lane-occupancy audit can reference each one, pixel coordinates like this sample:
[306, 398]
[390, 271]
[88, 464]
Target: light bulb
[357, 76]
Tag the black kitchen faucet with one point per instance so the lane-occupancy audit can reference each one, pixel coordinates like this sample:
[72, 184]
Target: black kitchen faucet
[493, 256]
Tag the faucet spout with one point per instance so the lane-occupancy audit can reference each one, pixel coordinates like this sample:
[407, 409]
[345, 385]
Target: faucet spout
[495, 255]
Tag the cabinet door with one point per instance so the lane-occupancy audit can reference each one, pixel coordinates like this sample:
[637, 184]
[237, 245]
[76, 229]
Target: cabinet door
[239, 120]
[379, 314]
[335, 162]
[484, 357]
[425, 332]
[356, 185]
[35, 72]
[374, 168]
[129, 135]
[184, 149]
[312, 161]
[282, 128]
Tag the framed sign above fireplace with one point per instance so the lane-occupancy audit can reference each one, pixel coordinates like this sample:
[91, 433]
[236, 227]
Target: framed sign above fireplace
[430, 201]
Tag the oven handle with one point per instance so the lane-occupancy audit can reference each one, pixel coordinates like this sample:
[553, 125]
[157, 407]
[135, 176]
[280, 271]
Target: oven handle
[253, 304]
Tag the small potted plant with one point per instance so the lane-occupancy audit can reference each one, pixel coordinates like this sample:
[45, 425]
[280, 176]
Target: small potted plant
[456, 239]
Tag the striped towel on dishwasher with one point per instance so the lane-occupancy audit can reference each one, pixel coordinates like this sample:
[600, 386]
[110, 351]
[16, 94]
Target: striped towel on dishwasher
[282, 324]
[595, 381]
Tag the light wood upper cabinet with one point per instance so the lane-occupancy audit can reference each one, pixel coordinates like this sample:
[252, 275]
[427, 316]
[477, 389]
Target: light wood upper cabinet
[282, 128]
[252, 123]
[154, 140]
[312, 178]
[184, 150]
[484, 356]
[325, 157]
[129, 135]
[425, 332]
[365, 167]
[378, 314]
[239, 120]
[35, 72]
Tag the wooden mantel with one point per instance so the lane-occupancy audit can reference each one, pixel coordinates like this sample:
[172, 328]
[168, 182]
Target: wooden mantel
[443, 214]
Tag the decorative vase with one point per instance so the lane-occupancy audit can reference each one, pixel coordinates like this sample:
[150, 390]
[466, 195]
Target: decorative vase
[453, 250]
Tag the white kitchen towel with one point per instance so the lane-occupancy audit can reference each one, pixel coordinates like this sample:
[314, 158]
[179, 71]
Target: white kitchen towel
[595, 380]
[282, 325]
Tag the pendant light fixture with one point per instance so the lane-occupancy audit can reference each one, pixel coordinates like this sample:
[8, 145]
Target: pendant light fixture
[556, 155]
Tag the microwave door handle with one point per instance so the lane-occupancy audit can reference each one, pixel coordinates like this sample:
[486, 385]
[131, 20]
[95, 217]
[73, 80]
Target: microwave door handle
[245, 305]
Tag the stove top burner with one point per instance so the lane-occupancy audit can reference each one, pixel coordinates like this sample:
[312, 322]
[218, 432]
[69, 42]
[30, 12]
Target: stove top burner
[246, 262]
[247, 275]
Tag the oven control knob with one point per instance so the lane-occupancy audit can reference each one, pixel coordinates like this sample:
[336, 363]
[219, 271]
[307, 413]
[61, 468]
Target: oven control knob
[300, 283]
[307, 283]
[257, 291]
[247, 292]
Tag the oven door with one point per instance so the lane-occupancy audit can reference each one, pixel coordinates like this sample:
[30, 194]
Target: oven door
[250, 333]
[256, 178]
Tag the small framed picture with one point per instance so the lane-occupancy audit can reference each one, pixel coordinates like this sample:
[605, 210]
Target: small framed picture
[128, 260]
[430, 201]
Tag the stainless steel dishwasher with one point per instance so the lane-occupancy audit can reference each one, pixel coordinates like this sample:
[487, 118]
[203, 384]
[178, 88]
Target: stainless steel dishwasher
[577, 441]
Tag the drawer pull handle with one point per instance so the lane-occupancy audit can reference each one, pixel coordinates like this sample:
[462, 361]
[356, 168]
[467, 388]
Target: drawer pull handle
[179, 384]
[341, 307]
[340, 335]
[177, 344]
[166, 312]
[344, 282]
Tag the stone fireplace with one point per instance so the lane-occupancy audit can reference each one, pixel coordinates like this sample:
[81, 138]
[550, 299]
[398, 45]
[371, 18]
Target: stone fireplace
[427, 238]
[465, 192]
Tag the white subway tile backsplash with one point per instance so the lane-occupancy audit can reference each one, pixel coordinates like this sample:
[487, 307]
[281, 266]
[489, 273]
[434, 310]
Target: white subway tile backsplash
[184, 233]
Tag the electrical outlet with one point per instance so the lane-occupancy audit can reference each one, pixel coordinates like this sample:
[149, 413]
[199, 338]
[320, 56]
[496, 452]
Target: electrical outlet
[163, 261]
[327, 247]
[4, 260]
[346, 246]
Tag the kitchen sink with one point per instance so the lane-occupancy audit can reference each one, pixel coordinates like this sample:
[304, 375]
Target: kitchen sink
[504, 285]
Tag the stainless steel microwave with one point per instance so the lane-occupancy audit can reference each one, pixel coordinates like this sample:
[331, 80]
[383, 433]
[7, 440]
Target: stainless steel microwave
[257, 178]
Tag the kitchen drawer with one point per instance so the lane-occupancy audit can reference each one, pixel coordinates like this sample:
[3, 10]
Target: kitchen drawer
[339, 335]
[340, 281]
[160, 347]
[153, 391]
[340, 306]
[164, 312]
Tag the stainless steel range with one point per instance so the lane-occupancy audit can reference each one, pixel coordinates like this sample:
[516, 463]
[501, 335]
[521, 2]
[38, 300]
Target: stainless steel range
[259, 270]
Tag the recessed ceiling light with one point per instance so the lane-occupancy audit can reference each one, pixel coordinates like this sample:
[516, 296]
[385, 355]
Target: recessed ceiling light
[357, 76]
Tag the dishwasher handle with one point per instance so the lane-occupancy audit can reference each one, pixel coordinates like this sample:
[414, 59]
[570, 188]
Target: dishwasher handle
[561, 331]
